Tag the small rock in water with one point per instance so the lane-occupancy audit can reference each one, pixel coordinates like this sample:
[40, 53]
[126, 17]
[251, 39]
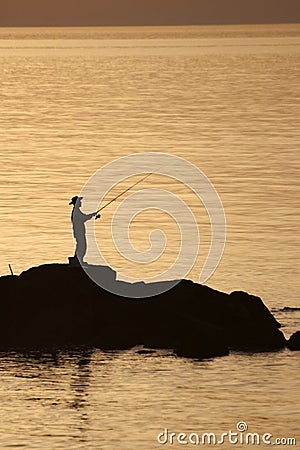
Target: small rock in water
[294, 341]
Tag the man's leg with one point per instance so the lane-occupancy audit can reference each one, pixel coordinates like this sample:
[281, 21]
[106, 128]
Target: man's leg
[80, 248]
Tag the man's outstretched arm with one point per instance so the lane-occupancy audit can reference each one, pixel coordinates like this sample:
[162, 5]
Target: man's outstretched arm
[94, 214]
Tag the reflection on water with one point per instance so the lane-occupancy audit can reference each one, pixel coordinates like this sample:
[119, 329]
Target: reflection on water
[89, 399]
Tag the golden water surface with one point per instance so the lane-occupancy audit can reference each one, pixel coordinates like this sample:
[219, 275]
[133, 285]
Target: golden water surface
[227, 100]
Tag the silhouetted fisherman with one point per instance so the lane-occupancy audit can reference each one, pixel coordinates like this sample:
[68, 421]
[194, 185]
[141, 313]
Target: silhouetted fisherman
[78, 221]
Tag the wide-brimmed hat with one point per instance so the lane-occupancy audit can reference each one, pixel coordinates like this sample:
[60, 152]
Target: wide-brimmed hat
[74, 200]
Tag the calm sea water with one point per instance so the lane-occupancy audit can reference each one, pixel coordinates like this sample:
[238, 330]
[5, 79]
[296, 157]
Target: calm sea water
[224, 98]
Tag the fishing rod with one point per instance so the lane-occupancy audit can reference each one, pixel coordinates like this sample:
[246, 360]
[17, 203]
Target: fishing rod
[122, 193]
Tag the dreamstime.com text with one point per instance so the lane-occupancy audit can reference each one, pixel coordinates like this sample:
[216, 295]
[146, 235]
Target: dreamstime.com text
[240, 436]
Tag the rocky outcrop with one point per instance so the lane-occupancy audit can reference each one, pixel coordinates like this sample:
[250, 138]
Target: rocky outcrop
[294, 341]
[58, 305]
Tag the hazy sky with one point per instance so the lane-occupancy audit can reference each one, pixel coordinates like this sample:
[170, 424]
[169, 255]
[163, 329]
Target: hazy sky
[146, 12]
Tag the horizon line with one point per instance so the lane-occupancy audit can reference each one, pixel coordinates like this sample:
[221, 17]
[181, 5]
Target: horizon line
[150, 25]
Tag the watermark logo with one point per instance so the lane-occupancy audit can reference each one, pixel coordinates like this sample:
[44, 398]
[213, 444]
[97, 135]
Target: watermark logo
[142, 199]
[239, 436]
[241, 426]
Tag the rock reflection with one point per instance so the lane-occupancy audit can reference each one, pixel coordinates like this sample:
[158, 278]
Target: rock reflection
[51, 382]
